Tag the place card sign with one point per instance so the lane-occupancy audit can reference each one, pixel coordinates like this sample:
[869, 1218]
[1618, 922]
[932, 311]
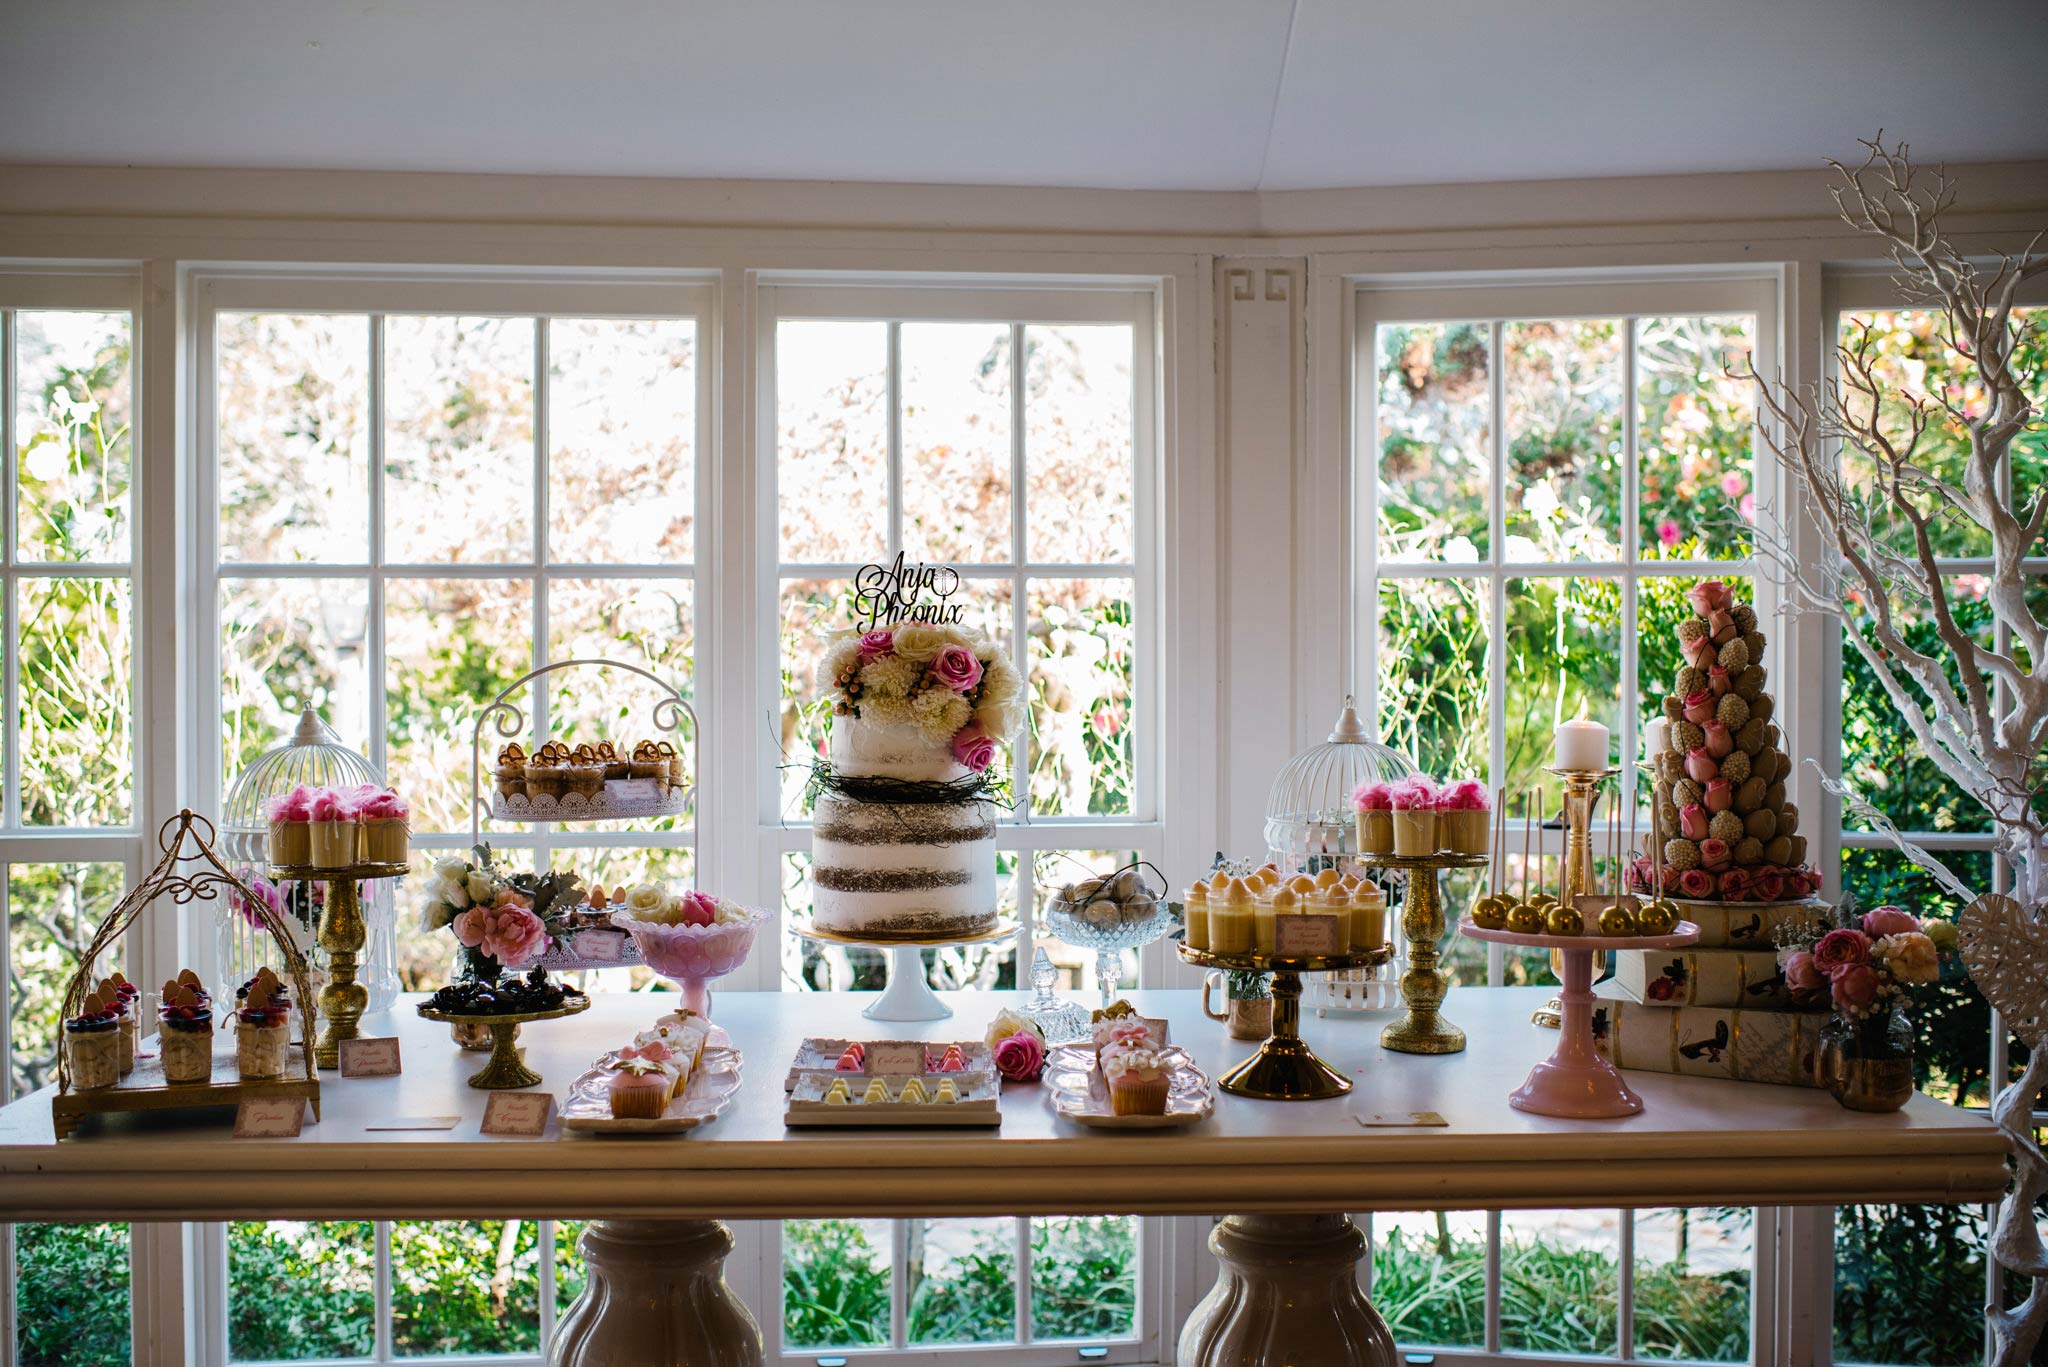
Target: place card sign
[270, 1117]
[416, 1122]
[374, 1057]
[1306, 935]
[521, 1114]
[895, 1057]
[1401, 1120]
[897, 594]
[599, 944]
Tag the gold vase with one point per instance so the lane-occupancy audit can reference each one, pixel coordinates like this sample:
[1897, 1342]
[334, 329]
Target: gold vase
[1867, 1065]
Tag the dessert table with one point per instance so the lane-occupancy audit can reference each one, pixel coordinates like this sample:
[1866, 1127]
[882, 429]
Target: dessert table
[1285, 1171]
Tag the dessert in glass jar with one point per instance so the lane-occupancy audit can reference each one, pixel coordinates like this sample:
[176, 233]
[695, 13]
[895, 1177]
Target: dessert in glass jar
[385, 821]
[185, 1030]
[92, 1044]
[262, 1027]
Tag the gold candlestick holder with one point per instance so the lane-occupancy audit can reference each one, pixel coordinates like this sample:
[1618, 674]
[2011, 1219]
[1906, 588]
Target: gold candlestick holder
[341, 936]
[1581, 800]
[1423, 1030]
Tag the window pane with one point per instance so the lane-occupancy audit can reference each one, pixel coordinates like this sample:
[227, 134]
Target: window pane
[807, 613]
[71, 1295]
[77, 702]
[835, 1283]
[962, 1280]
[569, 1268]
[288, 644]
[294, 401]
[458, 445]
[1909, 1284]
[1692, 1283]
[449, 645]
[644, 622]
[1562, 388]
[956, 442]
[1429, 1276]
[1563, 652]
[465, 1286]
[622, 439]
[298, 1290]
[1084, 1277]
[1695, 432]
[1082, 667]
[1432, 673]
[52, 912]
[832, 441]
[72, 414]
[1559, 1280]
[1435, 441]
[1080, 458]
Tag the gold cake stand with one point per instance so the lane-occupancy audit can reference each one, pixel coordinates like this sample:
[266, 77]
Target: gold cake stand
[506, 1069]
[1422, 1030]
[1285, 1068]
[342, 934]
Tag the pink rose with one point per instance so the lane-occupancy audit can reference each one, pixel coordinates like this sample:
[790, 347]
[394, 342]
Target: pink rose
[1696, 883]
[1802, 975]
[874, 644]
[698, 909]
[1699, 706]
[1840, 949]
[1735, 885]
[1020, 1057]
[1770, 887]
[1701, 653]
[506, 931]
[974, 747]
[1720, 627]
[1373, 796]
[1710, 595]
[1720, 795]
[957, 669]
[1692, 822]
[1465, 795]
[1855, 986]
[1731, 484]
[1713, 855]
[1700, 766]
[1717, 681]
[1720, 740]
[1671, 876]
[1889, 920]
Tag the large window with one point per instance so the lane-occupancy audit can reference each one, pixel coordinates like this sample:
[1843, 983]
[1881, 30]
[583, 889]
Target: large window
[1543, 472]
[1008, 435]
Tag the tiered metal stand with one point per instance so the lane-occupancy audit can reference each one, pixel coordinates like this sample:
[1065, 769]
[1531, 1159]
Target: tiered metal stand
[1285, 1068]
[1423, 1030]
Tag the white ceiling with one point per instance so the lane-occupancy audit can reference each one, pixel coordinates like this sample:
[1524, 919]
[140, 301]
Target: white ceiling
[1151, 94]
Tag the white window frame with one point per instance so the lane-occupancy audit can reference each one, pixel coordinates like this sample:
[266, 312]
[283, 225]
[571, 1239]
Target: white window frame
[1496, 300]
[1018, 304]
[536, 296]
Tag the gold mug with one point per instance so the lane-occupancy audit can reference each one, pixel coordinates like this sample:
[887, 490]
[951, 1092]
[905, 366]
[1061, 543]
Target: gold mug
[1246, 1019]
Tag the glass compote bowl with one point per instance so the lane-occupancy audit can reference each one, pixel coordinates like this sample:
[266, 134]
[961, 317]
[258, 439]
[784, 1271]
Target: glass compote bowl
[1105, 927]
[691, 956]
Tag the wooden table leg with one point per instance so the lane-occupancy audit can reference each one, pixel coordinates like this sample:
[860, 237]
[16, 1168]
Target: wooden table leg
[1286, 1295]
[655, 1296]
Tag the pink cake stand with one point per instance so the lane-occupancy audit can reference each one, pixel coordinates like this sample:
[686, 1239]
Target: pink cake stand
[1577, 1082]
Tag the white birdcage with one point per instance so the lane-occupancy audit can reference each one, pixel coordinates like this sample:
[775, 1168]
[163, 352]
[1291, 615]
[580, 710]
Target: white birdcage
[1310, 823]
[315, 757]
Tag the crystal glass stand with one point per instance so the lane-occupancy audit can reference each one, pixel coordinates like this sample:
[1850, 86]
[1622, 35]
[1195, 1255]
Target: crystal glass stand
[1061, 1022]
[1095, 926]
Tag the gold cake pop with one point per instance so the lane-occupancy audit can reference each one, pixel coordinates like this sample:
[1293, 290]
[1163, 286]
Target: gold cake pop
[1617, 921]
[1564, 921]
[1491, 911]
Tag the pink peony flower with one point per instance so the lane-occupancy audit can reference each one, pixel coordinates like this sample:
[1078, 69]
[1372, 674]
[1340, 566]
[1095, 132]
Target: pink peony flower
[974, 747]
[1700, 766]
[1720, 740]
[1717, 681]
[1735, 885]
[1839, 949]
[1719, 796]
[1855, 986]
[1802, 975]
[874, 644]
[1713, 855]
[1879, 922]
[1465, 795]
[1710, 595]
[1692, 822]
[1373, 796]
[267, 892]
[507, 930]
[956, 668]
[1696, 883]
[1415, 793]
[1020, 1057]
[1770, 886]
[1700, 706]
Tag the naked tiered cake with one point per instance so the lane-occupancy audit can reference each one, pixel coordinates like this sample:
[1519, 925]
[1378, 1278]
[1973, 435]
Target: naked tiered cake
[903, 841]
[1729, 831]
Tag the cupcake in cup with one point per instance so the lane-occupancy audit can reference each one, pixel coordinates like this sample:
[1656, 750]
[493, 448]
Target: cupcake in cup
[1374, 802]
[1463, 817]
[1414, 816]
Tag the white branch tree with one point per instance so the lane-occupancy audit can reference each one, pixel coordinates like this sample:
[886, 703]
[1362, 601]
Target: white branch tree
[1861, 452]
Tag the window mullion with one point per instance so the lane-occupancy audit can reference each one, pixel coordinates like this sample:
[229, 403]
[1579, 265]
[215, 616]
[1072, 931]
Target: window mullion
[1023, 1278]
[381, 1349]
[894, 365]
[10, 609]
[1625, 1291]
[899, 1283]
[378, 737]
[1631, 551]
[1020, 623]
[542, 688]
[545, 1241]
[1492, 1335]
[1496, 685]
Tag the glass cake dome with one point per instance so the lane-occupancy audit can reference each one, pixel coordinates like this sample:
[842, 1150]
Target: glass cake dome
[1309, 817]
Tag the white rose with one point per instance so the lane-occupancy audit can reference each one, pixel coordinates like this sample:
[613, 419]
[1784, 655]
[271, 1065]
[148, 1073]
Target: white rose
[920, 643]
[648, 901]
[451, 866]
[444, 891]
[479, 886]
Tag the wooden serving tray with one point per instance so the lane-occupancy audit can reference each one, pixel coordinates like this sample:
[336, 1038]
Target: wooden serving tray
[145, 1089]
[821, 1055]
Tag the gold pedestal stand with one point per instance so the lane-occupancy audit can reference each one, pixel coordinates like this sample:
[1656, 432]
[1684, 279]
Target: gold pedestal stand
[506, 1069]
[341, 937]
[1285, 1068]
[1422, 1030]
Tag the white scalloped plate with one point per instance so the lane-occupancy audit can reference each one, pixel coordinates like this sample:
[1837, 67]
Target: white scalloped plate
[587, 1108]
[1077, 1092]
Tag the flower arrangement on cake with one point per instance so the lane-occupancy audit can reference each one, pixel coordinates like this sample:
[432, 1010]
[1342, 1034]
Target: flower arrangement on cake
[954, 687]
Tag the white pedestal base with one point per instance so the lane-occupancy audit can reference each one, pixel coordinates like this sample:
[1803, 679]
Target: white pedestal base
[909, 997]
[656, 1297]
[1286, 1296]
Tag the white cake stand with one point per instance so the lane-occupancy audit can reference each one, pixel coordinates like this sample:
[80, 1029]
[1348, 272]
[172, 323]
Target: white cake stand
[908, 997]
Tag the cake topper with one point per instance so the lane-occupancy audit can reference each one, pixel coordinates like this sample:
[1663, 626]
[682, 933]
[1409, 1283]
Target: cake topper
[898, 593]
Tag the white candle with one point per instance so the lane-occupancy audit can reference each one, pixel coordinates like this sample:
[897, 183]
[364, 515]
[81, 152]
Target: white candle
[1656, 738]
[1581, 744]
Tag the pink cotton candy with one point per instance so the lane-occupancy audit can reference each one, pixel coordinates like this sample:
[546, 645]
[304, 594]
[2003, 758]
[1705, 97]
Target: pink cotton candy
[1464, 795]
[295, 805]
[329, 805]
[383, 805]
[1415, 793]
[1372, 796]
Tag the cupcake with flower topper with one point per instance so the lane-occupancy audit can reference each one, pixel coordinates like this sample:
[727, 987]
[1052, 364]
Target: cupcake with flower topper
[1374, 802]
[1414, 801]
[1463, 817]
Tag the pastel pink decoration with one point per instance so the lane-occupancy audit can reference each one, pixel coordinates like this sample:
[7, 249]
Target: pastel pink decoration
[1721, 627]
[654, 1051]
[1840, 949]
[1699, 706]
[1735, 885]
[974, 747]
[1465, 795]
[1692, 822]
[849, 1062]
[1717, 681]
[1700, 766]
[956, 668]
[698, 909]
[1855, 987]
[1696, 883]
[1801, 974]
[1373, 796]
[383, 805]
[328, 805]
[296, 805]
[691, 955]
[1720, 795]
[1129, 1034]
[1713, 855]
[877, 643]
[507, 932]
[1710, 595]
[1020, 1057]
[1701, 653]
[1720, 740]
[1672, 877]
[1889, 920]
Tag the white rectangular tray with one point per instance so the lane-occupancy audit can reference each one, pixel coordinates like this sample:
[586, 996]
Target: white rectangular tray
[587, 1108]
[821, 1055]
[979, 1103]
[1077, 1091]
